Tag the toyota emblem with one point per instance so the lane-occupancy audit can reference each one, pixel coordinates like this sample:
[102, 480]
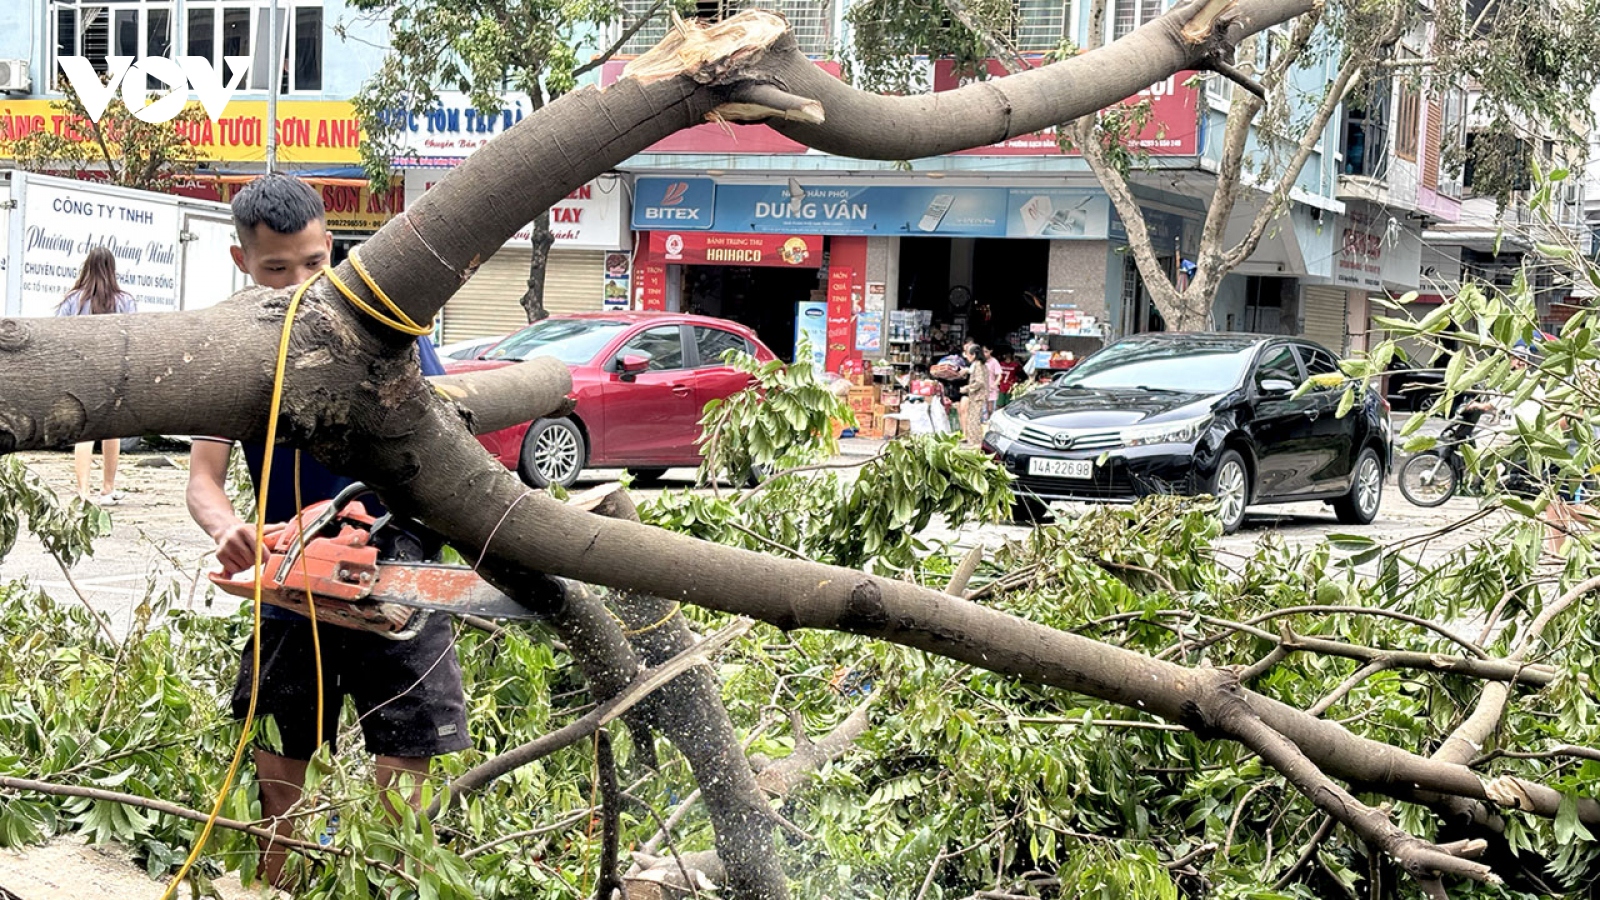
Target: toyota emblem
[1061, 441]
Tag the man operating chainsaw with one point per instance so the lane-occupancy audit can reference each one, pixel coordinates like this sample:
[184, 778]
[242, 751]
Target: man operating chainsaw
[407, 693]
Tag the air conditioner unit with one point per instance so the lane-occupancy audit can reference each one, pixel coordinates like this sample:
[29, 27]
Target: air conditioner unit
[14, 75]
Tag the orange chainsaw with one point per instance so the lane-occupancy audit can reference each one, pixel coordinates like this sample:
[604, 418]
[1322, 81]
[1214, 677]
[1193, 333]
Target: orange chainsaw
[338, 560]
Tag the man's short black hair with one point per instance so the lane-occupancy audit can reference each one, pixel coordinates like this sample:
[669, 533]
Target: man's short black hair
[279, 201]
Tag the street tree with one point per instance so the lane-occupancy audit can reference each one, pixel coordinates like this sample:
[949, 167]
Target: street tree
[119, 147]
[1539, 67]
[1465, 759]
[485, 49]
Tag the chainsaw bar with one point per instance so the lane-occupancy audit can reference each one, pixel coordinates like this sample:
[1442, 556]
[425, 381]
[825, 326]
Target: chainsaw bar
[456, 590]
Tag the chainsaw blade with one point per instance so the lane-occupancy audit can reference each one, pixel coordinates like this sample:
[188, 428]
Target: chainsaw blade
[456, 590]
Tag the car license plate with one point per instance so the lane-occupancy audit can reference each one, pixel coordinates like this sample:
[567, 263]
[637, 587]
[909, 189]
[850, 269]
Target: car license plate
[1061, 468]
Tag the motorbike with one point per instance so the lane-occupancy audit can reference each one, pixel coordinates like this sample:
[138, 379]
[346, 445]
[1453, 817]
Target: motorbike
[1433, 476]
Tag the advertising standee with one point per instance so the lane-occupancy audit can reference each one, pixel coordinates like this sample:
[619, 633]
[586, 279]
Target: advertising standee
[811, 327]
[841, 318]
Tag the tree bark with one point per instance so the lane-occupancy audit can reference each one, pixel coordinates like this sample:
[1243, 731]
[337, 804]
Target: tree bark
[538, 264]
[539, 243]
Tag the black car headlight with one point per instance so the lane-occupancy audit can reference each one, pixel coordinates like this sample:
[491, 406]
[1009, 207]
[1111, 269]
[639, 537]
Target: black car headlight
[1185, 432]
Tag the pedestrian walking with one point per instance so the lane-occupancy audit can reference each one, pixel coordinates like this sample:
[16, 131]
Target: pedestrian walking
[96, 293]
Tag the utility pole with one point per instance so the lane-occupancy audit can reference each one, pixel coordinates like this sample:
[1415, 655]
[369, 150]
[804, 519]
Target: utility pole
[274, 76]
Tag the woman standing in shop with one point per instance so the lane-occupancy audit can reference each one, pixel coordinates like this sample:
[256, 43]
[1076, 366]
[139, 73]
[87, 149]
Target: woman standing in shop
[95, 293]
[974, 395]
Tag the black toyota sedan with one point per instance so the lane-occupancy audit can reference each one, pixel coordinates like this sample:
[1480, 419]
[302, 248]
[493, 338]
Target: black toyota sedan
[1197, 414]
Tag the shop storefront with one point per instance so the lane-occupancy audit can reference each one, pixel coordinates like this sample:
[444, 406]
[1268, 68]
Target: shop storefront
[977, 259]
[760, 280]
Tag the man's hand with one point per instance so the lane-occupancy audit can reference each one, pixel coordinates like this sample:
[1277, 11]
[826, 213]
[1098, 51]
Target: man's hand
[236, 545]
[209, 505]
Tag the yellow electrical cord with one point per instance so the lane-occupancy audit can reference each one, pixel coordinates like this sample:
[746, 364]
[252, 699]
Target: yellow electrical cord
[255, 658]
[399, 321]
[311, 600]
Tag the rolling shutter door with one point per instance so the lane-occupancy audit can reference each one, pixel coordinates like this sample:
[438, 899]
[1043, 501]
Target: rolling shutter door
[1323, 312]
[489, 304]
[575, 281]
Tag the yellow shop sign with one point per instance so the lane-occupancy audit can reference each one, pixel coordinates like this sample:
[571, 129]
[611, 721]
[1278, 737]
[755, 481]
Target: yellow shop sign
[309, 131]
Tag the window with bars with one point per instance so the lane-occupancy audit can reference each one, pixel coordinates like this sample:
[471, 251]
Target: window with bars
[811, 21]
[1040, 26]
[1407, 122]
[111, 28]
[210, 28]
[1127, 15]
[219, 28]
[1452, 139]
[1219, 87]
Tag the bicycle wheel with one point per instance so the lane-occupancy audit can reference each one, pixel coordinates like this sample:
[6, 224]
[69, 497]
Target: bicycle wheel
[1428, 479]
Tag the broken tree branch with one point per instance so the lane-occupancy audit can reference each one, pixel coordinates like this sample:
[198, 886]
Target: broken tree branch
[608, 882]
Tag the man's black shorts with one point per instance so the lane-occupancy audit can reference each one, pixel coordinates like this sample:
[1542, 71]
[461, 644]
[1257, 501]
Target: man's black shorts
[407, 693]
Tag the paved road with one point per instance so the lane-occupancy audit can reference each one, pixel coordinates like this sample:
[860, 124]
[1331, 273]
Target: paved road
[118, 575]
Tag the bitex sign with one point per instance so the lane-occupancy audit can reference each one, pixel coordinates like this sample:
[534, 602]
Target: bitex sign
[134, 77]
[673, 203]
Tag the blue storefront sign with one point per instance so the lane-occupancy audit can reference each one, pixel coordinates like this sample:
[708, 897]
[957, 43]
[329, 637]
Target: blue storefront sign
[675, 204]
[683, 204]
[853, 209]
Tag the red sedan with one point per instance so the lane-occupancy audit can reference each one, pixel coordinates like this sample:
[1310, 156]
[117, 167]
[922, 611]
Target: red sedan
[641, 381]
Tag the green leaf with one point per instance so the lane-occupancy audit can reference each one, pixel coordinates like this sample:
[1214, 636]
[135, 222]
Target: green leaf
[1568, 827]
[1345, 541]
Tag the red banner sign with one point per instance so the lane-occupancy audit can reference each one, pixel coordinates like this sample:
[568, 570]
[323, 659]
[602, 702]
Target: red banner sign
[719, 249]
[1171, 127]
[650, 287]
[841, 317]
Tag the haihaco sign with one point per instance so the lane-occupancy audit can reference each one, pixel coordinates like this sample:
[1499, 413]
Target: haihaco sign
[721, 249]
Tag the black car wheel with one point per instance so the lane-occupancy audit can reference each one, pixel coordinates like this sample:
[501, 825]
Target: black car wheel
[1231, 486]
[553, 452]
[1360, 506]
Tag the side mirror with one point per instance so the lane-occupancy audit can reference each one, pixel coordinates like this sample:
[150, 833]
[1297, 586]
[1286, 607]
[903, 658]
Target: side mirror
[1277, 386]
[630, 365]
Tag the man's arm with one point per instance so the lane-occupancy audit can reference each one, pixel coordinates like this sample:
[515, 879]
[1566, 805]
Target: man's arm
[209, 506]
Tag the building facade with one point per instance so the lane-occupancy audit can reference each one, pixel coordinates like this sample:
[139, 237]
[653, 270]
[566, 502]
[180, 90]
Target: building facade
[1002, 243]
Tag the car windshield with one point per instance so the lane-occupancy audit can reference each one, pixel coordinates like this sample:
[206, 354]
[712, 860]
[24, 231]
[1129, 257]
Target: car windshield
[573, 341]
[1162, 366]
